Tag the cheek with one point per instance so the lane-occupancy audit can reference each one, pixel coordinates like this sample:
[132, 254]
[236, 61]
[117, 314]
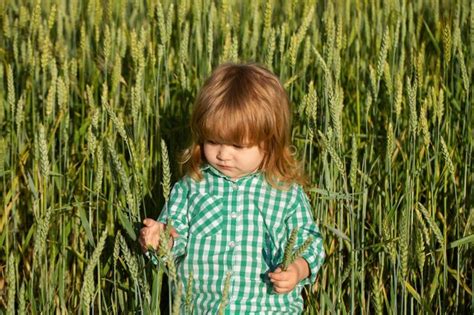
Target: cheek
[209, 152]
[258, 157]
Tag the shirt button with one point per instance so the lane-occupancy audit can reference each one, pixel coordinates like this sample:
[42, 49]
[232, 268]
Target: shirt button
[232, 244]
[235, 186]
[233, 215]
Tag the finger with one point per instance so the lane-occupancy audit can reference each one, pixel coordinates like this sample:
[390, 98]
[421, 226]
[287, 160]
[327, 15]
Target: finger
[277, 276]
[148, 222]
[174, 233]
[280, 290]
[281, 284]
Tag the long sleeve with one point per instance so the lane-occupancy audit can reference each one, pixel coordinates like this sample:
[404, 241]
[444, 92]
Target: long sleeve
[177, 210]
[300, 216]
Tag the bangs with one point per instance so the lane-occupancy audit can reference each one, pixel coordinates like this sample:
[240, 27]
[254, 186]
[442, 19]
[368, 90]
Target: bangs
[236, 124]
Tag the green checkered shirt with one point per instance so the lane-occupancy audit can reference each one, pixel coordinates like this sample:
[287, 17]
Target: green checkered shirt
[239, 226]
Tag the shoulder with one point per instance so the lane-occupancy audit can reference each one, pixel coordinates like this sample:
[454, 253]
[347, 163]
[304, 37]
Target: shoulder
[191, 184]
[292, 193]
[298, 197]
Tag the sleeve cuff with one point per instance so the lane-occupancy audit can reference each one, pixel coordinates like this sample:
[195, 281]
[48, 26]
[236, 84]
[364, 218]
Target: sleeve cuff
[179, 246]
[314, 256]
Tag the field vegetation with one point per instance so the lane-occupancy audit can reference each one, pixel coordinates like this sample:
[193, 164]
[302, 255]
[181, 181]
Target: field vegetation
[94, 106]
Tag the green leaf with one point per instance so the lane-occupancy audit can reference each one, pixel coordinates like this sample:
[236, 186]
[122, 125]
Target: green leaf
[126, 224]
[86, 225]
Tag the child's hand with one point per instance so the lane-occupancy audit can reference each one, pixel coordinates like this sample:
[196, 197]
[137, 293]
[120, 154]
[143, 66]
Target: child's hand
[150, 234]
[285, 281]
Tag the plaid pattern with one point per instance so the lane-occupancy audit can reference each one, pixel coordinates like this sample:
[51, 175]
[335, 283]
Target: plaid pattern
[239, 227]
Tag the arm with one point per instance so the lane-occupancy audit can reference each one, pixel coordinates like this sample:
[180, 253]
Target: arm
[304, 268]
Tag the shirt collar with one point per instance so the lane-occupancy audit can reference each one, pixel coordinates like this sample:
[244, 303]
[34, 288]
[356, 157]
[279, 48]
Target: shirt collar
[214, 171]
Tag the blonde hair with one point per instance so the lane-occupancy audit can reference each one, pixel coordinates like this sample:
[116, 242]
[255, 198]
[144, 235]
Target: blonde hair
[245, 104]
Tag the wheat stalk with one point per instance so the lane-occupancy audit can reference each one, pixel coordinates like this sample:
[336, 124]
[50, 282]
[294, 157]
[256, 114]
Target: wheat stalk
[420, 250]
[234, 49]
[282, 43]
[177, 298]
[130, 260]
[183, 8]
[210, 36]
[116, 72]
[353, 171]
[88, 288]
[11, 90]
[332, 152]
[42, 229]
[447, 46]
[404, 241]
[419, 65]
[3, 154]
[386, 230]
[43, 152]
[21, 300]
[376, 288]
[166, 170]
[267, 20]
[411, 91]
[169, 22]
[161, 23]
[107, 45]
[424, 229]
[123, 177]
[183, 46]
[307, 53]
[424, 123]
[20, 113]
[225, 294]
[382, 56]
[387, 77]
[390, 143]
[11, 280]
[51, 98]
[464, 73]
[440, 106]
[91, 141]
[336, 104]
[62, 94]
[432, 224]
[330, 30]
[99, 174]
[116, 251]
[189, 294]
[447, 158]
[270, 49]
[397, 100]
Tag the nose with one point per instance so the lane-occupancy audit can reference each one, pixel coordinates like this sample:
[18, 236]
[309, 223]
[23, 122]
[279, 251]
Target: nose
[223, 153]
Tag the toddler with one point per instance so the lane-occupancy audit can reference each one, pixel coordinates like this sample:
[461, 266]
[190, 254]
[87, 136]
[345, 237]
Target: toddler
[240, 199]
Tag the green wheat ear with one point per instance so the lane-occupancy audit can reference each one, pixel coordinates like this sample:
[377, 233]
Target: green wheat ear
[289, 256]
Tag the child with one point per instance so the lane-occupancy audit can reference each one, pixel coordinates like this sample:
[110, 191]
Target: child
[240, 199]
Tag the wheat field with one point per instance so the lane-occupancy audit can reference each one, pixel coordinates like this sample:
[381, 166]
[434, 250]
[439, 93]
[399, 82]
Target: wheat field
[95, 99]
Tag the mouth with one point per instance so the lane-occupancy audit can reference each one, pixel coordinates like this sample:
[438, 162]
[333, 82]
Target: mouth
[224, 167]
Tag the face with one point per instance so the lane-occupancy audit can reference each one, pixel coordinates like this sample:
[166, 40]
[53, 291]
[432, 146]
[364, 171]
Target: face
[231, 160]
